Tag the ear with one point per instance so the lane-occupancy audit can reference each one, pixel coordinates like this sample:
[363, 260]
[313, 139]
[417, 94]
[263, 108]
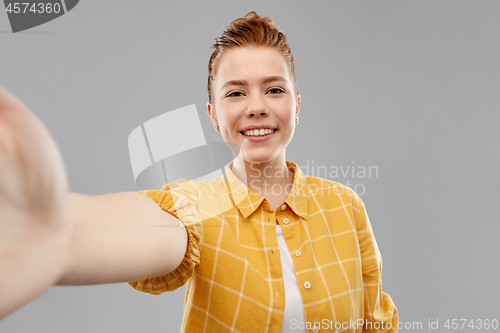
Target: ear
[297, 107]
[212, 114]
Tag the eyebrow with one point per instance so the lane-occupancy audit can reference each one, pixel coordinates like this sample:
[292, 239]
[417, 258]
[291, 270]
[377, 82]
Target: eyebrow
[265, 79]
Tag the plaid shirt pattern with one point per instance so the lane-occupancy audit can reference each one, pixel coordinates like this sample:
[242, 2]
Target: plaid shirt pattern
[232, 264]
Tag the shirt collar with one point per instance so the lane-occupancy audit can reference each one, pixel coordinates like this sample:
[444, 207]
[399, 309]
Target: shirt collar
[248, 200]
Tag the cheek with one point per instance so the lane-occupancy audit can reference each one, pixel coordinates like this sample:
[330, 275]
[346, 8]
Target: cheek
[228, 124]
[229, 115]
[287, 111]
[286, 103]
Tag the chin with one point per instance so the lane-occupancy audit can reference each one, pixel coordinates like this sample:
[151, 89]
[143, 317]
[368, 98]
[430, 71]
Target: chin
[259, 157]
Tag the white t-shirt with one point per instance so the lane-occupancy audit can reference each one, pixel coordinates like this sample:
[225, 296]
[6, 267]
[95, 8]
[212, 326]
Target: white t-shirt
[294, 309]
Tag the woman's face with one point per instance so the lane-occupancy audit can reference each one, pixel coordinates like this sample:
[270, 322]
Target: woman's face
[253, 89]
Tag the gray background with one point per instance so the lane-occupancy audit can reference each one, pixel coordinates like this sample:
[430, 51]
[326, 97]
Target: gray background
[411, 87]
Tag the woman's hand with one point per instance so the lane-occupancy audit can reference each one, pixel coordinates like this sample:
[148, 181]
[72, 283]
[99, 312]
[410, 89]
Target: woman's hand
[34, 232]
[50, 237]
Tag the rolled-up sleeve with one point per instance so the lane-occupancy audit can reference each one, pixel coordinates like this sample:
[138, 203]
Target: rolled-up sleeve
[381, 314]
[179, 201]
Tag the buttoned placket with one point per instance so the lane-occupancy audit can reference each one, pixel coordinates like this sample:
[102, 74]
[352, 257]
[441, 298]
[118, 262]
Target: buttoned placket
[285, 219]
[275, 262]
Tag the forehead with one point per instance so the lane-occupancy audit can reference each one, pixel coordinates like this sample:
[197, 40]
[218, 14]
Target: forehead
[251, 63]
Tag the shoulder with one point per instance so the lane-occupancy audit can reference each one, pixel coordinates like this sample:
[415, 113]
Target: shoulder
[332, 194]
[180, 189]
[329, 195]
[209, 197]
[193, 188]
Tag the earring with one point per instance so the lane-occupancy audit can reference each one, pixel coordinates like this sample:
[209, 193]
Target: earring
[217, 128]
[296, 120]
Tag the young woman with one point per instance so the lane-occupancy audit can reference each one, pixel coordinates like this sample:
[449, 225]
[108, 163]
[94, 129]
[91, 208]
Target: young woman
[262, 248]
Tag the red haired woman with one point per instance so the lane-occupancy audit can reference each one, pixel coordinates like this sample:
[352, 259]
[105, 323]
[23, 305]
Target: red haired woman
[262, 248]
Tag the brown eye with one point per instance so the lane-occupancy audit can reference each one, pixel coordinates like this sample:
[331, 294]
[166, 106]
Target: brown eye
[233, 94]
[276, 91]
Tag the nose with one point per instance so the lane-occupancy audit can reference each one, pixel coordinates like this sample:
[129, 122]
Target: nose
[257, 107]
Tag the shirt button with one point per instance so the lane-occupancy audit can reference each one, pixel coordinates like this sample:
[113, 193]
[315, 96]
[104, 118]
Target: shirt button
[286, 221]
[283, 207]
[315, 329]
[298, 253]
[307, 285]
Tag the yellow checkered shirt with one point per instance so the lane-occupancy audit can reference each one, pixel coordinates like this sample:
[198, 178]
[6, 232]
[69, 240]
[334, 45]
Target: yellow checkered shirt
[232, 265]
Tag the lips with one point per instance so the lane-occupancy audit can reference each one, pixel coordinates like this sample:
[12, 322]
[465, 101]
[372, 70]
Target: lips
[259, 138]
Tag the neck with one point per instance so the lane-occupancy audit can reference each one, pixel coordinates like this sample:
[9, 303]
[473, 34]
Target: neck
[268, 179]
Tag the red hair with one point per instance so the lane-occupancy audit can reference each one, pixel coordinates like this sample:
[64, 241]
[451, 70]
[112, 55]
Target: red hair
[251, 30]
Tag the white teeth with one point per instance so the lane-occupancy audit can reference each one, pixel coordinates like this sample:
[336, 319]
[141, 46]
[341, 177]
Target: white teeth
[260, 132]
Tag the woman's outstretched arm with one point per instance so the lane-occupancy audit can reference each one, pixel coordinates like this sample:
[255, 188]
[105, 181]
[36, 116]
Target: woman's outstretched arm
[50, 237]
[121, 237]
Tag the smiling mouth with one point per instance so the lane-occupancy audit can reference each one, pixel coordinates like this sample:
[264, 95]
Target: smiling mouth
[257, 133]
